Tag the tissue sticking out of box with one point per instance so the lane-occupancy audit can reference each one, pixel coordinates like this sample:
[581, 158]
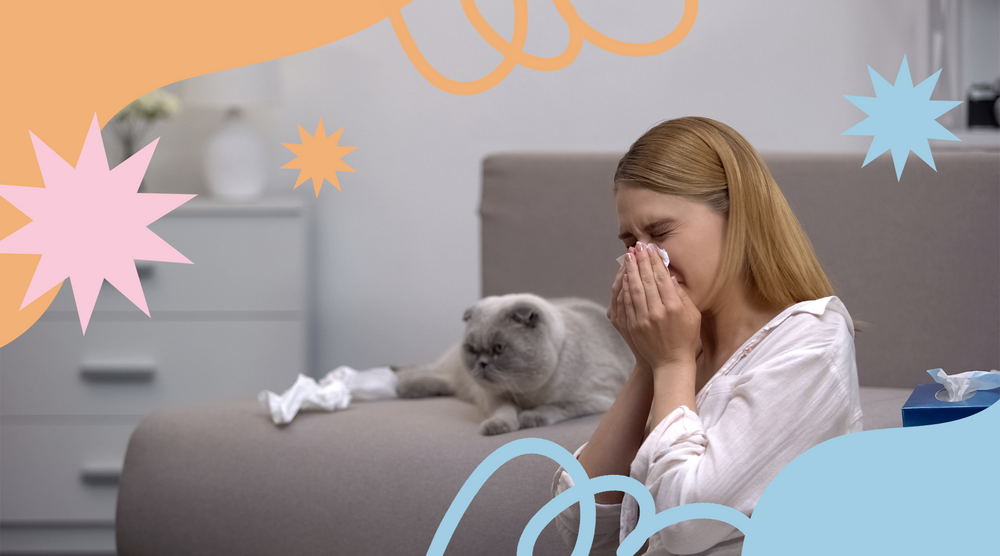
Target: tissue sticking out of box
[963, 385]
[663, 252]
[334, 391]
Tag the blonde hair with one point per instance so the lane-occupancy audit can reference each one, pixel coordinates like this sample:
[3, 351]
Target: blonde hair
[707, 161]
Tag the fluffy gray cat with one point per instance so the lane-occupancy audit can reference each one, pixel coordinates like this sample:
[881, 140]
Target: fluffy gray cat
[528, 362]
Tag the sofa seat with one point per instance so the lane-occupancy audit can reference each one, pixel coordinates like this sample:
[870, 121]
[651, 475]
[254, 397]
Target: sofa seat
[223, 479]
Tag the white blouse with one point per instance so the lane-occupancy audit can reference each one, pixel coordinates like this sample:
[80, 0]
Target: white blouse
[792, 385]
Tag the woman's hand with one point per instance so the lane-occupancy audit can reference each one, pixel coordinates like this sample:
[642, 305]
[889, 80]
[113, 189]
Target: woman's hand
[663, 324]
[616, 313]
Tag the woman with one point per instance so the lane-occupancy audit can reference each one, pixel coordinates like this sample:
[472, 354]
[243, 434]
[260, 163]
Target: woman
[744, 358]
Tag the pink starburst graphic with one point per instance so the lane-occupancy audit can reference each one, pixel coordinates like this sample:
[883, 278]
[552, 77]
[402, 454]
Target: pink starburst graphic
[89, 223]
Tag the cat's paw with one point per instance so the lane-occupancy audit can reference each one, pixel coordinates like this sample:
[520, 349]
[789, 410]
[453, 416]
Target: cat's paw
[530, 418]
[422, 388]
[496, 425]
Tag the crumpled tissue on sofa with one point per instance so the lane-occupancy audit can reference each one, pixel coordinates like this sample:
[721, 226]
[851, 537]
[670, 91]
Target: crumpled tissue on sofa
[334, 391]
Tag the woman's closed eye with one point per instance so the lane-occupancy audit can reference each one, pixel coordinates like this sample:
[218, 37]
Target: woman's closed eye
[659, 235]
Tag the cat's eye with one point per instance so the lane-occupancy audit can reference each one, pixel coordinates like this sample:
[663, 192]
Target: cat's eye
[497, 348]
[470, 349]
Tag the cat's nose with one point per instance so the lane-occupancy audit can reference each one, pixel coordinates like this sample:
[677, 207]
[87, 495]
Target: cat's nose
[483, 361]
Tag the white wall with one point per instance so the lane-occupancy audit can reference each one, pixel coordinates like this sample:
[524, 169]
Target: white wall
[981, 41]
[397, 250]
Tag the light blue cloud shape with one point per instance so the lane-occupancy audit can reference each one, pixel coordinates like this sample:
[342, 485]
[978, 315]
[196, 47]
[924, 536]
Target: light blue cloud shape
[902, 118]
[926, 490]
[583, 492]
[917, 491]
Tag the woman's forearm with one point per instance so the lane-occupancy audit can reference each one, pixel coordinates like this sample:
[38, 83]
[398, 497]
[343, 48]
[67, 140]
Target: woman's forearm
[616, 441]
[673, 386]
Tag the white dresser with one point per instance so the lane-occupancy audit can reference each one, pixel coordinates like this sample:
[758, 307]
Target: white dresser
[225, 327]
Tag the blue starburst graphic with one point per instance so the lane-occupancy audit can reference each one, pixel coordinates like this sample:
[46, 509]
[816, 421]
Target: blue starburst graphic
[902, 118]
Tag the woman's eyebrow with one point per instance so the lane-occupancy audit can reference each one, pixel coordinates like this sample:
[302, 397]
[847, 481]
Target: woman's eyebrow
[649, 227]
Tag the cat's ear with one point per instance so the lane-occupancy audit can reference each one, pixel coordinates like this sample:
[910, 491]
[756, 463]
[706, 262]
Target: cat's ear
[525, 314]
[467, 314]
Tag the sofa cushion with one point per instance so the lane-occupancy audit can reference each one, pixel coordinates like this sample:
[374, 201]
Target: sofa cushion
[376, 478]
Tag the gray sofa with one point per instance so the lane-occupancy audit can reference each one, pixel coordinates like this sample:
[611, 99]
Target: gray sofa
[919, 260]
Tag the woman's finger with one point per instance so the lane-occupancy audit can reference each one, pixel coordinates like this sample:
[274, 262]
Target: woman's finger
[627, 302]
[616, 293]
[645, 262]
[688, 304]
[616, 288]
[661, 276]
[621, 317]
[636, 299]
[668, 285]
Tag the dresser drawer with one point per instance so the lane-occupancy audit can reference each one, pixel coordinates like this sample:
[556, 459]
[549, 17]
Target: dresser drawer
[61, 472]
[132, 368]
[240, 263]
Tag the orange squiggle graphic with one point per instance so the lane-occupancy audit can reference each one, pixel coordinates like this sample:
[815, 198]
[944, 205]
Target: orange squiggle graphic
[462, 87]
[514, 53]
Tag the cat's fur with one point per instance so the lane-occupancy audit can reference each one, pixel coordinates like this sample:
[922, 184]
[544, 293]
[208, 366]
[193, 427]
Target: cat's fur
[557, 359]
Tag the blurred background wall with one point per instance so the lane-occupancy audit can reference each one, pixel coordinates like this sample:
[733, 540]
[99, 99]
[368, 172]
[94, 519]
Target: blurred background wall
[395, 253]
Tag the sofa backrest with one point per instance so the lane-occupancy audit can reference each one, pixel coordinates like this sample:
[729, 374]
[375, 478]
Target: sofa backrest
[918, 260]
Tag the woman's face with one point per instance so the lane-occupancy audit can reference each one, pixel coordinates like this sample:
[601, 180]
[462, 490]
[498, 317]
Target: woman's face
[692, 233]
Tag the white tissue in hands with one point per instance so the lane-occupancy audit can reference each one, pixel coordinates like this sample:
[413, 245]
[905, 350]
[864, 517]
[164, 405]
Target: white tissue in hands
[964, 385]
[333, 392]
[663, 252]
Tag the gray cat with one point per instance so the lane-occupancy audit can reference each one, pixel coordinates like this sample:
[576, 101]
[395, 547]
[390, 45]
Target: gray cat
[528, 362]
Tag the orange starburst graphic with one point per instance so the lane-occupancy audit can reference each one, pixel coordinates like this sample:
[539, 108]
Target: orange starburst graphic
[318, 157]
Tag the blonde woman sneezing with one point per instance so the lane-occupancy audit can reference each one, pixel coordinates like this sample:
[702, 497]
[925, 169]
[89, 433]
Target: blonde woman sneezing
[744, 357]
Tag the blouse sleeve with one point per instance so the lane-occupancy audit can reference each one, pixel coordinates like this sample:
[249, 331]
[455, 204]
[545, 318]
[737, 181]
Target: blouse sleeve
[802, 391]
[568, 522]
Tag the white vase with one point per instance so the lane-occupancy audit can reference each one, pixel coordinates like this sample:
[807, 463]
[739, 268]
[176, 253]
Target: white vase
[235, 161]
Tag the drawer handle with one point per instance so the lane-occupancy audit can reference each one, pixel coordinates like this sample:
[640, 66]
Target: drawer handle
[101, 475]
[118, 373]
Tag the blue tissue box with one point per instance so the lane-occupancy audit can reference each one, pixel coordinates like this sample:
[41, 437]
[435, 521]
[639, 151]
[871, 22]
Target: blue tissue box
[923, 408]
